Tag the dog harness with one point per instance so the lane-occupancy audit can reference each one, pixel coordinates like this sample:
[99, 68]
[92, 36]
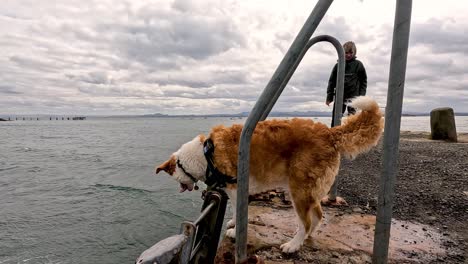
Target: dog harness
[214, 178]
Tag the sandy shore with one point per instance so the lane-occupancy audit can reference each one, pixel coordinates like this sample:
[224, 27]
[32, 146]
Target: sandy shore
[431, 192]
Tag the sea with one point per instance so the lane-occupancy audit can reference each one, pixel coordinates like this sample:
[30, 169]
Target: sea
[85, 191]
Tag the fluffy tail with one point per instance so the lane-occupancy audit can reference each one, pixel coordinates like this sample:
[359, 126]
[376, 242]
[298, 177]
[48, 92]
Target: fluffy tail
[362, 131]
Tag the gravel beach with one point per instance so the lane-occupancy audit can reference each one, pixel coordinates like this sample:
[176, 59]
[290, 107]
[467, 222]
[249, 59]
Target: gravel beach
[431, 186]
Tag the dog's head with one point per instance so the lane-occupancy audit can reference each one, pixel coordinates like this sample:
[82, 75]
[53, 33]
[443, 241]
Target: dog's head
[187, 165]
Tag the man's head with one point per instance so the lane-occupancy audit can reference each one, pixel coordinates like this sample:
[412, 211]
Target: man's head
[350, 50]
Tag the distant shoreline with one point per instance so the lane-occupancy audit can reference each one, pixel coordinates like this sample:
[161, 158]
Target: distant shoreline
[158, 115]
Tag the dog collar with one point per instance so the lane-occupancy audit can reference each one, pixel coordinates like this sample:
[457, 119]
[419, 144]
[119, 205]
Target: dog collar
[214, 178]
[186, 172]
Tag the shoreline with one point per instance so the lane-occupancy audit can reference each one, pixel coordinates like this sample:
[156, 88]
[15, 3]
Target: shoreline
[425, 136]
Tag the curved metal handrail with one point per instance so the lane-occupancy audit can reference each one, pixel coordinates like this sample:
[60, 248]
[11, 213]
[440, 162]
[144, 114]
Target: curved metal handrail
[337, 114]
[339, 78]
[270, 91]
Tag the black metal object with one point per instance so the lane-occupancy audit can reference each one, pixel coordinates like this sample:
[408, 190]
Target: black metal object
[209, 226]
[198, 241]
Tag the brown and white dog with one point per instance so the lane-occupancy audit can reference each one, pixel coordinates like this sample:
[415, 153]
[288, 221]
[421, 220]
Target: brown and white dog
[298, 153]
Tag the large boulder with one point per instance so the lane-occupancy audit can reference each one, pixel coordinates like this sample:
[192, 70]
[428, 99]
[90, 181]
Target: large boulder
[443, 124]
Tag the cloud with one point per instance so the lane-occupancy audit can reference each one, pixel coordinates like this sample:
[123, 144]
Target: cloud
[181, 56]
[92, 78]
[441, 36]
[9, 90]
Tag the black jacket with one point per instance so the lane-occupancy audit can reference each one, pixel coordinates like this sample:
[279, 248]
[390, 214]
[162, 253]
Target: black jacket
[355, 83]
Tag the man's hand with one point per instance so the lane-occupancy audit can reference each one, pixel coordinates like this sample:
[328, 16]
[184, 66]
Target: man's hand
[328, 103]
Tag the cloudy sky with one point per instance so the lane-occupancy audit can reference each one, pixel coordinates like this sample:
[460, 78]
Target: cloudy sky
[182, 56]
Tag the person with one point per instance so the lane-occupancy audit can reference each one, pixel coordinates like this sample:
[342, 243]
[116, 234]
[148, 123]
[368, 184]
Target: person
[355, 83]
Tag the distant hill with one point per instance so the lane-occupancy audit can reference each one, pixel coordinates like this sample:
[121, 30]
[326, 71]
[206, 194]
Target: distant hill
[246, 114]
[284, 114]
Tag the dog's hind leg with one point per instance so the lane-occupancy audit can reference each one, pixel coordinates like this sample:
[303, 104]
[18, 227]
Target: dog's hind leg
[317, 215]
[232, 194]
[303, 204]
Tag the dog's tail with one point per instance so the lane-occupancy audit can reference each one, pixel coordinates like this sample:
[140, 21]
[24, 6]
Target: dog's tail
[362, 131]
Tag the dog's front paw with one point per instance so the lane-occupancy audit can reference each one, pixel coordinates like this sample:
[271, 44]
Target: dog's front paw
[290, 247]
[231, 223]
[231, 233]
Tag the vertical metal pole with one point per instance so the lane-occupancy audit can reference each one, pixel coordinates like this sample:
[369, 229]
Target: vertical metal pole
[268, 93]
[391, 139]
[337, 114]
[339, 92]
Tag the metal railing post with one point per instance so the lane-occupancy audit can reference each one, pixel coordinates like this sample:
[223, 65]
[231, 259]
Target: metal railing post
[270, 90]
[401, 30]
[209, 228]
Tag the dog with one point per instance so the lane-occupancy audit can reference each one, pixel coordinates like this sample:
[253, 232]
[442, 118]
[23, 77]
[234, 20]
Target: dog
[298, 154]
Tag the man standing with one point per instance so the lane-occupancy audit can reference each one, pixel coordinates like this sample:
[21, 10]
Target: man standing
[355, 82]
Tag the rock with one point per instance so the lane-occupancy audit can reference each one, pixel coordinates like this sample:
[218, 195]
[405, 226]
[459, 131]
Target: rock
[443, 124]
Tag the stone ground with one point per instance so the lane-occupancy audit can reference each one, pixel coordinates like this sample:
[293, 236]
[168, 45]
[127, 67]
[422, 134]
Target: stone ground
[430, 216]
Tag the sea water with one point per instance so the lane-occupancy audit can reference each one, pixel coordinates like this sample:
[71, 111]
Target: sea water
[85, 191]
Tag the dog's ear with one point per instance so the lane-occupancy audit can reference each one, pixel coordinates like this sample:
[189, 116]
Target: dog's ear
[202, 138]
[168, 166]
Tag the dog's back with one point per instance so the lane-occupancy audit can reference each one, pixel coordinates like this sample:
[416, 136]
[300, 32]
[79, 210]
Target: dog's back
[301, 154]
[279, 147]
[360, 132]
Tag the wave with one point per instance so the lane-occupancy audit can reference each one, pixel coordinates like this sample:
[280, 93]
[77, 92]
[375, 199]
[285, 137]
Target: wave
[26, 149]
[170, 213]
[9, 168]
[50, 137]
[120, 188]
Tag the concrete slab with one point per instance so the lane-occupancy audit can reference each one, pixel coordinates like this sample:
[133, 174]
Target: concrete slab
[341, 238]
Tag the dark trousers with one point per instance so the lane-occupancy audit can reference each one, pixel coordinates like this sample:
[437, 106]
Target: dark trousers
[351, 111]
